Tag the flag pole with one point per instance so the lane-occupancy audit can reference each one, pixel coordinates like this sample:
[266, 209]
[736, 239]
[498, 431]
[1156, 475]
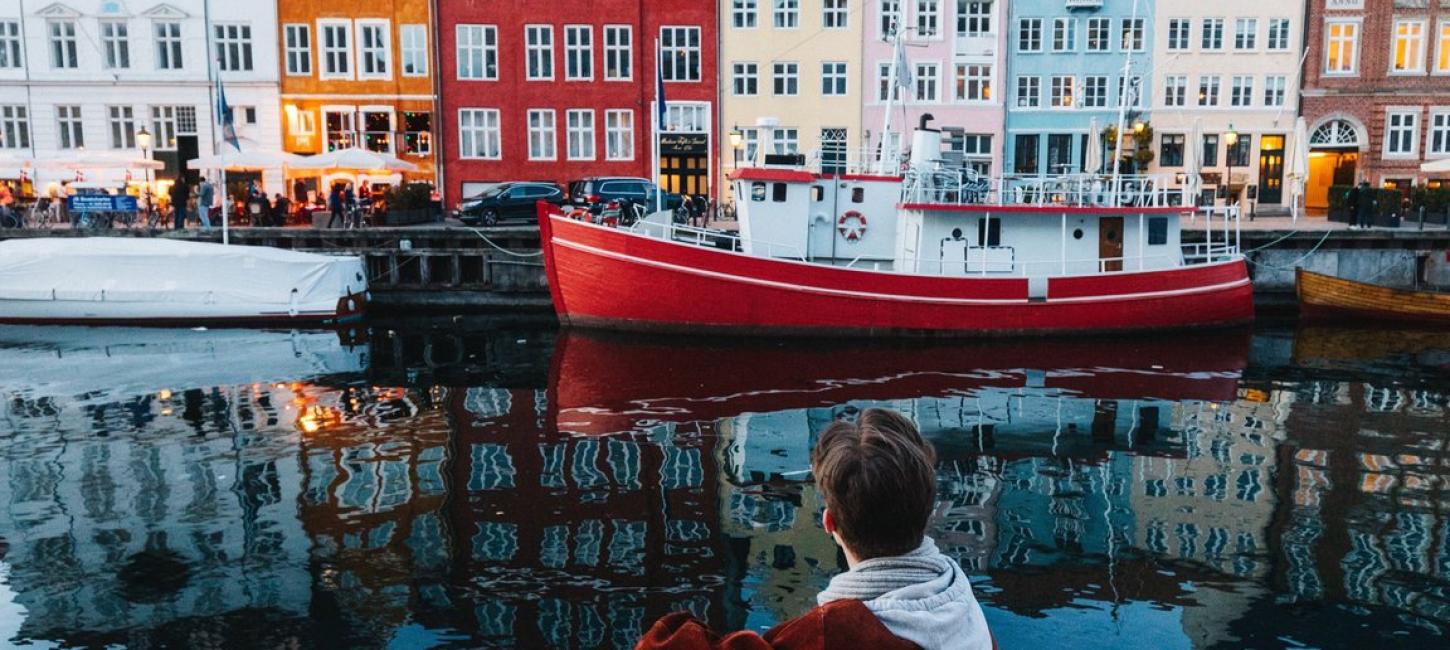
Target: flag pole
[658, 126]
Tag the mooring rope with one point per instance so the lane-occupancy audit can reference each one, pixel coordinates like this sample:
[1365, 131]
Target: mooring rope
[1292, 265]
[501, 249]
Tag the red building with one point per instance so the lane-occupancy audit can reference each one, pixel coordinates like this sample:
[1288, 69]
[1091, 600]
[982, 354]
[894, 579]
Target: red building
[561, 91]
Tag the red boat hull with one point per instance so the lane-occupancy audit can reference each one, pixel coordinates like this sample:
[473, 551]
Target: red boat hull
[604, 277]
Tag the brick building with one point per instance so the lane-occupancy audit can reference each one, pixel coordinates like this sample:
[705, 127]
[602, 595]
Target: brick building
[1376, 92]
[534, 93]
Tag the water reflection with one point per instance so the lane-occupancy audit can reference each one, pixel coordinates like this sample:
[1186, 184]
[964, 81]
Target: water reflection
[452, 486]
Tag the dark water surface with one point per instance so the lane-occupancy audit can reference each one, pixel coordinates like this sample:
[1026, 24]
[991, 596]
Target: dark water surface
[486, 484]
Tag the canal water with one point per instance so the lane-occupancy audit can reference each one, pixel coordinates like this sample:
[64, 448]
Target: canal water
[470, 484]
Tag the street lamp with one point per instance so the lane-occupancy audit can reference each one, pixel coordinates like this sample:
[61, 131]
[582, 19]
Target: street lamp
[1231, 138]
[737, 142]
[143, 140]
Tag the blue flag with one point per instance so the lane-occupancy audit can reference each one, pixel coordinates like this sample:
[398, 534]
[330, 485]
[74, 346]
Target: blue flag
[659, 87]
[225, 119]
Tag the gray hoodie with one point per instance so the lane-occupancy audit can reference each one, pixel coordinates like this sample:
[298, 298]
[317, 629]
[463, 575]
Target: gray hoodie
[922, 597]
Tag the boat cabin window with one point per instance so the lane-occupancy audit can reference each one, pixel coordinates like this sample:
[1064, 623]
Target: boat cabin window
[818, 193]
[1157, 231]
[777, 192]
[757, 191]
[1077, 233]
[858, 195]
[989, 235]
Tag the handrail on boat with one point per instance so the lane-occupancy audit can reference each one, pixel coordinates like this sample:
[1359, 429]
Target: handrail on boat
[705, 237]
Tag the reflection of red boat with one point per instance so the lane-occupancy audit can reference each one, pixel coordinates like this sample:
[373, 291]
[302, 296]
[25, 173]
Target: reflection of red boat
[605, 383]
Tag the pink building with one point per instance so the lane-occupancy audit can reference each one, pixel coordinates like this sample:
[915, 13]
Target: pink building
[954, 49]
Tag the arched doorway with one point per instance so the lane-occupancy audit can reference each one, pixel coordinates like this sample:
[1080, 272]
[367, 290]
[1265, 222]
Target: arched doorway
[1333, 160]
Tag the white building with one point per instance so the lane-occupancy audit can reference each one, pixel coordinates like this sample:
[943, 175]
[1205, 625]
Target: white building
[83, 77]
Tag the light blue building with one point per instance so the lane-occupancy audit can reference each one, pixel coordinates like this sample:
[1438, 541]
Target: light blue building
[1065, 66]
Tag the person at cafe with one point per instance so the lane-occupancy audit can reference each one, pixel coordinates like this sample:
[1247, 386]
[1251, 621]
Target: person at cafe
[280, 208]
[335, 205]
[179, 195]
[205, 199]
[878, 479]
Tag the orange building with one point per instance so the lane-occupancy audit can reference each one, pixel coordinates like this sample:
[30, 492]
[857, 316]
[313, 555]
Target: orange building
[359, 74]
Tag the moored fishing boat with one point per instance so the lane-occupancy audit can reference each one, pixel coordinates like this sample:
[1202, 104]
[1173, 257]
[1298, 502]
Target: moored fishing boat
[1325, 296]
[125, 281]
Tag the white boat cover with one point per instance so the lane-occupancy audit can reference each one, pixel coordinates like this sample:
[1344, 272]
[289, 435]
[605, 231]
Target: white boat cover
[114, 278]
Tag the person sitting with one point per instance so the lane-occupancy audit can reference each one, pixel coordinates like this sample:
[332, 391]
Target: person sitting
[280, 208]
[878, 479]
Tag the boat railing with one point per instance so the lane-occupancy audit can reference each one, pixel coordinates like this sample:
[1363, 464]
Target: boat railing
[697, 236]
[1000, 261]
[966, 187]
[831, 160]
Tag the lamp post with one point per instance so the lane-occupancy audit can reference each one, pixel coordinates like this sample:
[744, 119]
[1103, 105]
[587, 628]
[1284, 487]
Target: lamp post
[737, 142]
[143, 140]
[1231, 139]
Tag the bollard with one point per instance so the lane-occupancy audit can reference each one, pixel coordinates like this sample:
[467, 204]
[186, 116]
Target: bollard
[1422, 217]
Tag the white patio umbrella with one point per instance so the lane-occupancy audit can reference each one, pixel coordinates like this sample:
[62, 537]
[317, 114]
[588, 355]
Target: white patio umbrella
[242, 161]
[85, 160]
[1296, 168]
[355, 159]
[1436, 166]
[1193, 160]
[1094, 162]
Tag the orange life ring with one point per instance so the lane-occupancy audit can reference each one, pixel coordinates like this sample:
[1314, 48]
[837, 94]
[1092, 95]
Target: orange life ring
[579, 214]
[851, 225]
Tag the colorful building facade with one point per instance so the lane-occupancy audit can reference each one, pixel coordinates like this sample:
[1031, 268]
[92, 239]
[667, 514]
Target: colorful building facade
[359, 75]
[1376, 93]
[1232, 64]
[532, 93]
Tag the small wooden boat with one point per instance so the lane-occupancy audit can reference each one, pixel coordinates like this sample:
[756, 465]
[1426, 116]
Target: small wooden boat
[1323, 296]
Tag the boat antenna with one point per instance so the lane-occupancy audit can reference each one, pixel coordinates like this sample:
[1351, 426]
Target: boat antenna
[1122, 113]
[898, 80]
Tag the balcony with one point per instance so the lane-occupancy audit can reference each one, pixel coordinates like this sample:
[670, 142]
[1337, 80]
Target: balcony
[1084, 4]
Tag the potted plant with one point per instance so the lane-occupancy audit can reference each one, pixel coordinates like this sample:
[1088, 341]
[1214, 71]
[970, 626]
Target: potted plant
[411, 203]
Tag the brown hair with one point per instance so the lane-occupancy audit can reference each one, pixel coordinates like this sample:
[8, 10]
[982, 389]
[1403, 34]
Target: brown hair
[878, 478]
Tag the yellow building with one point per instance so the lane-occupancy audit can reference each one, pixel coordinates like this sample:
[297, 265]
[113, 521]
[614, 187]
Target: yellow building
[790, 79]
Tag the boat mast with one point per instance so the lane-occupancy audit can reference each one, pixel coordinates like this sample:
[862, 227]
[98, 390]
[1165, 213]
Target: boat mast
[1122, 113]
[898, 57]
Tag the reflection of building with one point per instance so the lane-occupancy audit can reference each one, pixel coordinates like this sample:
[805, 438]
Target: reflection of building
[1375, 94]
[358, 74]
[532, 93]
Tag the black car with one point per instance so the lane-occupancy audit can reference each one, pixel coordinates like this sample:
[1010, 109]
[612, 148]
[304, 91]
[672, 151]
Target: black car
[596, 193]
[508, 201]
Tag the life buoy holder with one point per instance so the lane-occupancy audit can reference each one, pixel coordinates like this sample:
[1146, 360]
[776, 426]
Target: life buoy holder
[852, 225]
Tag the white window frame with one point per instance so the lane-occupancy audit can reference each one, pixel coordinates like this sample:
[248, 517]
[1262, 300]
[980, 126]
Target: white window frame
[539, 52]
[785, 140]
[1279, 27]
[1214, 27]
[1246, 34]
[1034, 99]
[1276, 89]
[70, 125]
[470, 39]
[63, 43]
[543, 132]
[785, 14]
[1062, 91]
[618, 134]
[928, 82]
[1353, 42]
[1139, 34]
[928, 19]
[12, 54]
[975, 18]
[1210, 89]
[303, 122]
[1442, 47]
[1175, 90]
[888, 14]
[238, 35]
[613, 50]
[116, 46]
[1442, 116]
[1064, 34]
[1100, 31]
[383, 27]
[744, 79]
[327, 55]
[671, 51]
[1241, 91]
[579, 134]
[835, 14]
[14, 126]
[973, 83]
[835, 79]
[1036, 26]
[579, 52]
[1414, 40]
[744, 14]
[169, 49]
[297, 53]
[121, 125]
[785, 78]
[1179, 39]
[1089, 98]
[483, 128]
[413, 49]
[1411, 112]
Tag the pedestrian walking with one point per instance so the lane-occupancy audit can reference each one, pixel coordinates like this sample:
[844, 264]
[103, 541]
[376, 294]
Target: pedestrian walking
[335, 205]
[205, 199]
[1364, 209]
[354, 215]
[180, 194]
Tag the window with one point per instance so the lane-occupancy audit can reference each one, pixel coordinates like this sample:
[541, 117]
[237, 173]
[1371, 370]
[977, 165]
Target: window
[10, 45]
[1064, 34]
[926, 82]
[1099, 34]
[297, 47]
[1409, 47]
[1442, 53]
[835, 15]
[989, 232]
[1278, 34]
[539, 48]
[341, 129]
[579, 52]
[478, 133]
[579, 125]
[1132, 35]
[1170, 152]
[787, 14]
[304, 123]
[374, 47]
[1024, 153]
[1246, 30]
[885, 89]
[542, 135]
[417, 135]
[1132, 93]
[63, 44]
[1175, 90]
[1341, 48]
[1094, 91]
[974, 18]
[477, 51]
[928, 18]
[336, 37]
[681, 51]
[1029, 35]
[890, 17]
[1212, 34]
[1157, 231]
[378, 131]
[1208, 90]
[785, 79]
[778, 192]
[414, 42]
[618, 134]
[752, 144]
[1400, 133]
[163, 128]
[123, 127]
[1238, 154]
[618, 59]
[1178, 33]
[233, 47]
[974, 82]
[1439, 144]
[1274, 89]
[743, 14]
[785, 141]
[70, 127]
[14, 127]
[168, 45]
[1062, 91]
[833, 78]
[116, 42]
[1241, 91]
[1029, 92]
[744, 79]
[1210, 150]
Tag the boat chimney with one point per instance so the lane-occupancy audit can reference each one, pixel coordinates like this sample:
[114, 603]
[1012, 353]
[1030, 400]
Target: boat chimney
[925, 144]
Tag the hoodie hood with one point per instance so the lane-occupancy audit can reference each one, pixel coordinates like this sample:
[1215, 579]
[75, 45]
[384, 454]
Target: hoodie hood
[922, 596]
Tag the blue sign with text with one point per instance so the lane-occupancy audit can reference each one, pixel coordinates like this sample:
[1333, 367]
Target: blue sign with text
[101, 203]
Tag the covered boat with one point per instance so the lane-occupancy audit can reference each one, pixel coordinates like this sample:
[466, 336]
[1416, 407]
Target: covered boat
[105, 280]
[937, 250]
